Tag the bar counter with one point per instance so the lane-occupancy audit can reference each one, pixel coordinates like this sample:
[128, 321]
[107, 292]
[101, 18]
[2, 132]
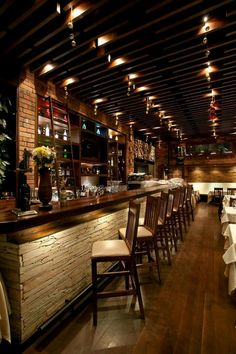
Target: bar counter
[45, 258]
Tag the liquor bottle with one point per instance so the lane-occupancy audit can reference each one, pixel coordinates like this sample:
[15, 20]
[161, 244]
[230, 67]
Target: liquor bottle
[65, 153]
[65, 135]
[47, 130]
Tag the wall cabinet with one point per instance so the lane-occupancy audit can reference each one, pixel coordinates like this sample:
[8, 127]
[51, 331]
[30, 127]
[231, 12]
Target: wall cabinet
[88, 153]
[54, 130]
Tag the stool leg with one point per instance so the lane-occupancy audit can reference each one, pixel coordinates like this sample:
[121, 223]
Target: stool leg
[94, 286]
[157, 258]
[137, 288]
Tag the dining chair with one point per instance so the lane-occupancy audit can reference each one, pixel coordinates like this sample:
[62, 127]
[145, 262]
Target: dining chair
[218, 195]
[231, 191]
[122, 253]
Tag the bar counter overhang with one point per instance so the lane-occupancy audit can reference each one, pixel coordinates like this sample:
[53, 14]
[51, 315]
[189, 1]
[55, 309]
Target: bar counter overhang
[45, 258]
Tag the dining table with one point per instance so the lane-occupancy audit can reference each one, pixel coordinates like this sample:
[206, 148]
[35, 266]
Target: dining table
[228, 199]
[228, 216]
[229, 257]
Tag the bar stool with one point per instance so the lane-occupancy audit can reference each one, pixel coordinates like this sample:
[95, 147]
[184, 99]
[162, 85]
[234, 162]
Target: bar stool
[161, 234]
[176, 214]
[188, 203]
[182, 206]
[122, 252]
[146, 236]
[170, 222]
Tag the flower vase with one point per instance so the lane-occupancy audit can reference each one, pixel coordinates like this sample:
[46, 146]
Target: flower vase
[45, 189]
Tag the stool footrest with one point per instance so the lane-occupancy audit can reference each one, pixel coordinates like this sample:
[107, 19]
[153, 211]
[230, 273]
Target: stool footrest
[115, 293]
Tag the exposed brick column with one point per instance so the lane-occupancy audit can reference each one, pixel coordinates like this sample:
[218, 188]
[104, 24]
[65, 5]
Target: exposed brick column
[26, 117]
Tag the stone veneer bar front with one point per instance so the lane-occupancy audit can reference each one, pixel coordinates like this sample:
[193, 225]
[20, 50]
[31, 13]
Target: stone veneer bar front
[45, 259]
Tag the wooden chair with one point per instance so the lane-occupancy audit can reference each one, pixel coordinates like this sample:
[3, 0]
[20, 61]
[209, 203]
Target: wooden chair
[176, 215]
[231, 191]
[146, 240]
[182, 206]
[218, 195]
[170, 221]
[163, 238]
[121, 252]
[188, 203]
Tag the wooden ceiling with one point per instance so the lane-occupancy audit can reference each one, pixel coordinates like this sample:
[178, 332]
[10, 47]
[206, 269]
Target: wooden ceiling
[165, 43]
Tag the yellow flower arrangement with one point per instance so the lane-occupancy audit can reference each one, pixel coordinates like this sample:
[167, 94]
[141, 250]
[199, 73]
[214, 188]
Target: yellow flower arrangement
[44, 156]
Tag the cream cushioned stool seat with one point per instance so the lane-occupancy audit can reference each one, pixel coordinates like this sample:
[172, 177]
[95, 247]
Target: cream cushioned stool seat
[142, 232]
[110, 248]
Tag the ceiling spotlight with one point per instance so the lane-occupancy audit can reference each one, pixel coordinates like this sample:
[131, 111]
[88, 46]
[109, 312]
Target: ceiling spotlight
[205, 19]
[204, 40]
[109, 58]
[207, 53]
[73, 43]
[70, 24]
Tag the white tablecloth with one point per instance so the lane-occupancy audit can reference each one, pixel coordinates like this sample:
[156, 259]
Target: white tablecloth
[229, 256]
[228, 217]
[4, 313]
[226, 199]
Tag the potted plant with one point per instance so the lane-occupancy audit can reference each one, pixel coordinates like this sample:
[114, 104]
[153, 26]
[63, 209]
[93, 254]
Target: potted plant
[44, 157]
[5, 103]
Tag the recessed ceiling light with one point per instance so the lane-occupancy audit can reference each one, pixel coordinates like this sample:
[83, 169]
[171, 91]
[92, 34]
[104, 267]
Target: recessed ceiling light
[104, 39]
[156, 128]
[143, 129]
[99, 100]
[118, 61]
[142, 88]
[69, 81]
[78, 11]
[48, 67]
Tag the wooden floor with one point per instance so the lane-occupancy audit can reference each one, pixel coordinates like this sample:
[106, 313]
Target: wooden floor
[191, 313]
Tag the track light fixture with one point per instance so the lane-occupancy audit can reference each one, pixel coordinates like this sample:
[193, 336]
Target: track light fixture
[131, 85]
[71, 28]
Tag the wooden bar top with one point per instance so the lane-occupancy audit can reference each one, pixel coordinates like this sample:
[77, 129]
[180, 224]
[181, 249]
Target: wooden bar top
[10, 223]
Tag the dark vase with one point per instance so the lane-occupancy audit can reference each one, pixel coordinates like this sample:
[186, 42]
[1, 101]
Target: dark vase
[45, 189]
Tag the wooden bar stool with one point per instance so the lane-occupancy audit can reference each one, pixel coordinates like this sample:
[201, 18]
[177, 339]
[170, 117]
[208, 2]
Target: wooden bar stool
[146, 239]
[188, 206]
[176, 214]
[122, 252]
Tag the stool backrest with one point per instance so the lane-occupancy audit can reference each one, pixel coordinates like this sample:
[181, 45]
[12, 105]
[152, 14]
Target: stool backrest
[176, 202]
[189, 191]
[151, 213]
[170, 202]
[163, 207]
[132, 225]
[182, 196]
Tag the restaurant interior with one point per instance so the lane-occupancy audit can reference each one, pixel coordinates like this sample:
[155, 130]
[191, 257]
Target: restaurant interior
[117, 177]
